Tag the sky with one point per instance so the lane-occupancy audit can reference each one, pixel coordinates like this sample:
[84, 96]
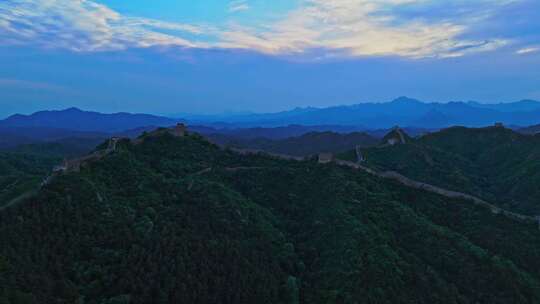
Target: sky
[221, 56]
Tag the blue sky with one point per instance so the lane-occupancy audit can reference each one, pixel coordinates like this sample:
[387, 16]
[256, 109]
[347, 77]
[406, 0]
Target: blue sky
[212, 56]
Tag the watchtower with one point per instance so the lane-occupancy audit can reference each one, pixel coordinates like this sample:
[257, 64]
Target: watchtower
[112, 143]
[392, 141]
[359, 156]
[62, 167]
[325, 158]
[179, 130]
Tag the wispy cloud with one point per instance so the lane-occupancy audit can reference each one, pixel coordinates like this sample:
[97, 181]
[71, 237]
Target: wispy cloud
[238, 5]
[359, 28]
[351, 27]
[528, 50]
[81, 25]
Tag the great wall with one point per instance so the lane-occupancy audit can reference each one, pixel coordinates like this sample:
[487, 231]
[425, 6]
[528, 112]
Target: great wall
[74, 165]
[437, 190]
[324, 158]
[179, 130]
[395, 176]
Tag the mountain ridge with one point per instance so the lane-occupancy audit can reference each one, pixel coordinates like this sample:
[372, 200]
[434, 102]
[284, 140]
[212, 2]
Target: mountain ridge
[79, 120]
[207, 225]
[494, 163]
[403, 111]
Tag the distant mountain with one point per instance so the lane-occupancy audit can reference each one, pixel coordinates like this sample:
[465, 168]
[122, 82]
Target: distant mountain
[76, 119]
[220, 120]
[276, 132]
[402, 111]
[433, 119]
[67, 147]
[530, 130]
[374, 118]
[49, 126]
[13, 136]
[518, 106]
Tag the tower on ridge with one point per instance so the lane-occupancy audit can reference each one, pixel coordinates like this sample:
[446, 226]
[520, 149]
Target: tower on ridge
[179, 130]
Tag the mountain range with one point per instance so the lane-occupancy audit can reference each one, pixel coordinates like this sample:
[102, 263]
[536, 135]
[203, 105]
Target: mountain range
[531, 130]
[402, 111]
[168, 219]
[89, 127]
[85, 121]
[374, 119]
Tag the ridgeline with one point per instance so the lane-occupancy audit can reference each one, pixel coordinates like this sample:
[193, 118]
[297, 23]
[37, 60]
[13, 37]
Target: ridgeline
[495, 164]
[176, 219]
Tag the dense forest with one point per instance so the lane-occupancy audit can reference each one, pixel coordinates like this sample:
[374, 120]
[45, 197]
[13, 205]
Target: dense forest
[495, 163]
[24, 167]
[23, 172]
[179, 220]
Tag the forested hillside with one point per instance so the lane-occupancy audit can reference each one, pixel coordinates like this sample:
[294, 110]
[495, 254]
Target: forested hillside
[495, 163]
[178, 220]
[307, 144]
[24, 167]
[23, 172]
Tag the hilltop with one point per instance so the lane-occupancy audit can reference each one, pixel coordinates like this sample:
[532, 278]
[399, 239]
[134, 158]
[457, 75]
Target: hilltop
[495, 163]
[179, 220]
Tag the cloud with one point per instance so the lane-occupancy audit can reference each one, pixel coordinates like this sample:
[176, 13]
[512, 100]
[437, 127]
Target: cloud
[528, 50]
[343, 27]
[81, 25]
[238, 6]
[359, 28]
